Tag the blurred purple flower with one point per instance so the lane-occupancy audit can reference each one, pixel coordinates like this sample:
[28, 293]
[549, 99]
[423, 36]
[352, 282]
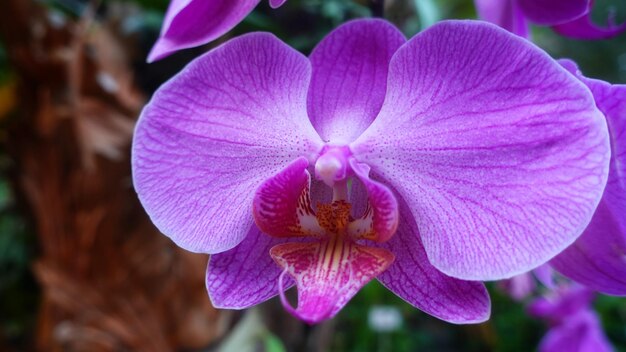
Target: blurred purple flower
[519, 286]
[571, 18]
[522, 286]
[574, 326]
[190, 23]
[598, 258]
[482, 154]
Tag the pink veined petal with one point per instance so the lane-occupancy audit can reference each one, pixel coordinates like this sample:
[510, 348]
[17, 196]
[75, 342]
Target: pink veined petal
[504, 13]
[349, 74]
[553, 12]
[190, 23]
[582, 333]
[277, 3]
[245, 275]
[584, 28]
[500, 153]
[211, 135]
[380, 219]
[327, 274]
[415, 280]
[282, 204]
[598, 258]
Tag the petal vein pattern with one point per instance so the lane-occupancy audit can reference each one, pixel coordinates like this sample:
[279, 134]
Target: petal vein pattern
[500, 154]
[328, 273]
[414, 279]
[598, 258]
[349, 77]
[245, 275]
[333, 267]
[282, 204]
[212, 134]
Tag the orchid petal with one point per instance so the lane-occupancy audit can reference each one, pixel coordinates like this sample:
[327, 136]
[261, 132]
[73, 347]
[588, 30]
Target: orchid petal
[581, 332]
[282, 205]
[245, 275]
[598, 258]
[349, 76]
[190, 23]
[415, 280]
[380, 219]
[500, 153]
[553, 12]
[566, 300]
[584, 28]
[205, 142]
[327, 274]
[504, 13]
[519, 286]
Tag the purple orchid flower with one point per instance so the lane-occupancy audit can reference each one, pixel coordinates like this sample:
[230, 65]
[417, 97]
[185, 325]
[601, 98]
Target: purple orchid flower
[598, 258]
[518, 287]
[571, 18]
[465, 153]
[521, 286]
[190, 23]
[574, 324]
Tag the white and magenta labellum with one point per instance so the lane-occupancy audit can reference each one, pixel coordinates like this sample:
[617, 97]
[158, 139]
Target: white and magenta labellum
[331, 268]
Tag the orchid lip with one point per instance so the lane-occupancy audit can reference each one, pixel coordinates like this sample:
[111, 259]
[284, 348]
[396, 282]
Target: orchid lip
[330, 271]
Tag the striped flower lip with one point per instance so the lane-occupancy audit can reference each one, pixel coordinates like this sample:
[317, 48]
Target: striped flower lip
[333, 267]
[430, 164]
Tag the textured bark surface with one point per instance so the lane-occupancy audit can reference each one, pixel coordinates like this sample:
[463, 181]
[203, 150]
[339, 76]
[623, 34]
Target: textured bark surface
[110, 281]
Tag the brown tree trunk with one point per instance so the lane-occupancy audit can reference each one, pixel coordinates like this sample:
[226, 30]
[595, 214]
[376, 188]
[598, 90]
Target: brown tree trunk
[110, 281]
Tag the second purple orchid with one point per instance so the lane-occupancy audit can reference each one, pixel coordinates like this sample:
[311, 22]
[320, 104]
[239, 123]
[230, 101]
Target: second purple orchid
[571, 18]
[464, 153]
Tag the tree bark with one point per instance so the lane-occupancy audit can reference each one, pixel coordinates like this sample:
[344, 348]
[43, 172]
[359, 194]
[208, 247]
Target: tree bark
[109, 280]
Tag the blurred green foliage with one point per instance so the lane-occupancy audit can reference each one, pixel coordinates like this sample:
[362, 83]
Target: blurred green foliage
[510, 329]
[19, 293]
